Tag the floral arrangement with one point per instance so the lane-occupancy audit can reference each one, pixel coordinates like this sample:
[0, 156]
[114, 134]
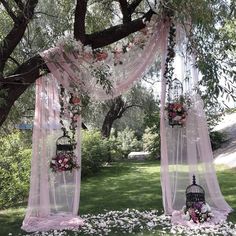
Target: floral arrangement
[198, 213]
[64, 162]
[177, 113]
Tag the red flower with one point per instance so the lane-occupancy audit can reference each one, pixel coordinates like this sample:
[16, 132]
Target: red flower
[100, 56]
[193, 215]
[75, 100]
[88, 56]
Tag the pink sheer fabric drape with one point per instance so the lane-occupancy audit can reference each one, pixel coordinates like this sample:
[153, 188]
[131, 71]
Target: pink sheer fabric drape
[54, 198]
[76, 66]
[186, 151]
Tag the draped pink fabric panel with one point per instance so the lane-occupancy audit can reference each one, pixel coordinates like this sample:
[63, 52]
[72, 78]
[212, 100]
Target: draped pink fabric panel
[135, 63]
[54, 197]
[186, 151]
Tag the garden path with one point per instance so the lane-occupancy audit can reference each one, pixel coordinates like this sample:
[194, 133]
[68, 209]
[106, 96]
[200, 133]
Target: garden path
[226, 155]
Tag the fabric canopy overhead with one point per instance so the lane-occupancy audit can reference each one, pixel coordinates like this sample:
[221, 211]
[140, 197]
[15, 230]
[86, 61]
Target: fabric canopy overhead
[54, 197]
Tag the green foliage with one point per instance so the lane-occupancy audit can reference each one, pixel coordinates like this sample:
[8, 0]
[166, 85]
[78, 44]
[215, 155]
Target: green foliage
[15, 156]
[23, 109]
[213, 111]
[95, 152]
[151, 142]
[217, 138]
[127, 142]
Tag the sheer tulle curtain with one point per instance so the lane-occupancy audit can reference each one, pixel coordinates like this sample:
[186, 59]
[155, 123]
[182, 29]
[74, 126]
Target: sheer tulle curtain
[54, 198]
[186, 151]
[135, 63]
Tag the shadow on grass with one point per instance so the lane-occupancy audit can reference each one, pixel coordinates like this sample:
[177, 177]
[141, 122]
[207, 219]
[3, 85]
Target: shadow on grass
[11, 220]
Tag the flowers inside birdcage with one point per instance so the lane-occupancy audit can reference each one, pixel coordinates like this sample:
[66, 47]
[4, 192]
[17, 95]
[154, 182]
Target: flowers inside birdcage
[177, 109]
[199, 212]
[177, 113]
[64, 162]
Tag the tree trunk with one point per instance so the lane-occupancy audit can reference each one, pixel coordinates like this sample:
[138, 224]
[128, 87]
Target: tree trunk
[116, 111]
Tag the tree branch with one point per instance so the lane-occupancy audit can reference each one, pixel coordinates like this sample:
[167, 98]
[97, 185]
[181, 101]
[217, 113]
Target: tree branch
[19, 4]
[115, 33]
[16, 85]
[10, 42]
[9, 11]
[124, 10]
[79, 24]
[133, 6]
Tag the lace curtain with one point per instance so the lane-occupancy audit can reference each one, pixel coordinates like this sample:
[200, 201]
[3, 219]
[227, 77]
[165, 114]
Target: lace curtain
[54, 197]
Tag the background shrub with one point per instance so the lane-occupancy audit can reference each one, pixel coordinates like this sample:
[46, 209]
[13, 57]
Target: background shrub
[151, 142]
[127, 142]
[217, 138]
[95, 152]
[15, 157]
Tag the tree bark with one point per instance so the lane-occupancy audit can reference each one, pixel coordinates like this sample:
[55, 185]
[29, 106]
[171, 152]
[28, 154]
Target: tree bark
[116, 111]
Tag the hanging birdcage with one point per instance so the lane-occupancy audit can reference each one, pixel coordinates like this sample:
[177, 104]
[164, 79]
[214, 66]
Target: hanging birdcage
[64, 144]
[175, 90]
[195, 194]
[196, 209]
[65, 159]
[176, 109]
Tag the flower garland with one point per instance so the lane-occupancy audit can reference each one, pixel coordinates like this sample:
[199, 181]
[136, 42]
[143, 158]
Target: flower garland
[65, 160]
[103, 64]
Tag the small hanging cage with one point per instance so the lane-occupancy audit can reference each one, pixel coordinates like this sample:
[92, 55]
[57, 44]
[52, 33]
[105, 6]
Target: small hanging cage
[175, 90]
[65, 159]
[64, 144]
[194, 194]
[176, 110]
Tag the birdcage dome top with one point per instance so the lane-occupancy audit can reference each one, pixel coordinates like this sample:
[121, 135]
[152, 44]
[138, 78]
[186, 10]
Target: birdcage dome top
[195, 188]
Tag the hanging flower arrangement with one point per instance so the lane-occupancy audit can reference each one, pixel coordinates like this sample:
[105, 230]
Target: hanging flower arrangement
[64, 162]
[177, 113]
[200, 212]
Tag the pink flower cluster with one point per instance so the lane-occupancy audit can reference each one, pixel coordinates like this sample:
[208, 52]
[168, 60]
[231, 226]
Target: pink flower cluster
[176, 113]
[63, 162]
[198, 213]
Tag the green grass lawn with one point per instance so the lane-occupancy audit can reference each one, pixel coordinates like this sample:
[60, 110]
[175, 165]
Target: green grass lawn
[121, 186]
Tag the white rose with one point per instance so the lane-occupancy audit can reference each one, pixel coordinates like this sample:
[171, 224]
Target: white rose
[204, 208]
[177, 118]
